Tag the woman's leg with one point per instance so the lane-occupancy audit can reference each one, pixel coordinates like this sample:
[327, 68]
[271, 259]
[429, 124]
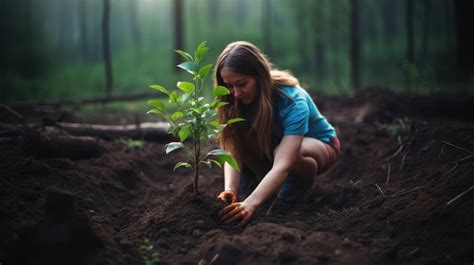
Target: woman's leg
[313, 158]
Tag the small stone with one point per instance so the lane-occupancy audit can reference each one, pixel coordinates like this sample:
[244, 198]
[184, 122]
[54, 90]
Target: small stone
[346, 243]
[337, 252]
[197, 233]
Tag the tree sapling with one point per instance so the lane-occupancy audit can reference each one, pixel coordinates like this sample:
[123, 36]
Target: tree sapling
[194, 117]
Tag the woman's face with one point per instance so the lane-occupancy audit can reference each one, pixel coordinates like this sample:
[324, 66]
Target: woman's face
[242, 87]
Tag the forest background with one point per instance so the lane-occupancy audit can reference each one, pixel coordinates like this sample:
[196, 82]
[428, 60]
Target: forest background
[72, 49]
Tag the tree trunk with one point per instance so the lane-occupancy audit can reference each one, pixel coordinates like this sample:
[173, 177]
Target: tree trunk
[355, 46]
[135, 29]
[178, 24]
[426, 30]
[464, 10]
[83, 29]
[335, 44]
[213, 11]
[106, 48]
[410, 50]
[267, 26]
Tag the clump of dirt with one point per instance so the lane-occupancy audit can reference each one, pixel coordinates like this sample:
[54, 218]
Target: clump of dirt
[406, 198]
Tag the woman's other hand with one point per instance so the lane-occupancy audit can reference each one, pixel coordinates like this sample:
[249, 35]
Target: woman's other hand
[228, 195]
[237, 211]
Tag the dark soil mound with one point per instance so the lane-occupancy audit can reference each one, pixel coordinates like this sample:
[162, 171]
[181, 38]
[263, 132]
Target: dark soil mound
[401, 193]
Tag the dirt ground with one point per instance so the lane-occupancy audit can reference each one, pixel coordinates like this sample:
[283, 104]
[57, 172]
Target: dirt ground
[389, 199]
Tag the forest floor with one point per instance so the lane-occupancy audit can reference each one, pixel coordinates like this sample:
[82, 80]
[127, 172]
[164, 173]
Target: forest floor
[392, 198]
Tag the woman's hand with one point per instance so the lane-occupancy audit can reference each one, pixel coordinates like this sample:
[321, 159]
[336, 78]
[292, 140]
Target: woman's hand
[227, 195]
[242, 211]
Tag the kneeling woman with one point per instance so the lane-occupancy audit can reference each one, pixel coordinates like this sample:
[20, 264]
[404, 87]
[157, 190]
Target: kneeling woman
[284, 142]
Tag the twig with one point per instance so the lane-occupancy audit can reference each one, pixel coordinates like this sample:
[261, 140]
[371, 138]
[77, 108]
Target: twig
[464, 159]
[403, 162]
[457, 147]
[11, 111]
[460, 195]
[380, 189]
[409, 191]
[271, 206]
[395, 154]
[453, 168]
[388, 173]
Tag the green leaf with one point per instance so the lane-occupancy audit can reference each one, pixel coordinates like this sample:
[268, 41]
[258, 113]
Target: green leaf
[188, 66]
[204, 70]
[220, 104]
[160, 88]
[184, 133]
[170, 147]
[215, 124]
[223, 156]
[215, 162]
[177, 115]
[220, 91]
[155, 111]
[201, 51]
[181, 164]
[234, 120]
[184, 54]
[157, 104]
[173, 98]
[186, 87]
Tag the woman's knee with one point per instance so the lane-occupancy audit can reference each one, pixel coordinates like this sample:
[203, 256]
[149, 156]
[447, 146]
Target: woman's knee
[305, 166]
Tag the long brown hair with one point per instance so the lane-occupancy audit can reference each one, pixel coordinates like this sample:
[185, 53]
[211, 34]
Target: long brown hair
[245, 58]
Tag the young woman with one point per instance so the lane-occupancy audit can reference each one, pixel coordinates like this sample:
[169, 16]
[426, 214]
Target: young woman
[284, 142]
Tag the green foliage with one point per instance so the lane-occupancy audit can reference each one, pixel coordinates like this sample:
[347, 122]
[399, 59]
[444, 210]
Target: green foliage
[132, 144]
[149, 256]
[397, 128]
[194, 116]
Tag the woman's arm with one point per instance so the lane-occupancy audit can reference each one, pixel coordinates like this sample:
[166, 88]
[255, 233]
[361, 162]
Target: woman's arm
[231, 178]
[285, 157]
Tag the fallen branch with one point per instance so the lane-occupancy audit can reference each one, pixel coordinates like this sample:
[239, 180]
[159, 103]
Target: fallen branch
[460, 195]
[148, 131]
[457, 147]
[409, 191]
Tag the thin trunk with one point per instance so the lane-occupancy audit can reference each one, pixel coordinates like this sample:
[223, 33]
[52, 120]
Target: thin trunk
[83, 29]
[267, 26]
[213, 11]
[355, 46]
[465, 39]
[410, 50]
[335, 44]
[178, 23]
[106, 48]
[426, 31]
[135, 29]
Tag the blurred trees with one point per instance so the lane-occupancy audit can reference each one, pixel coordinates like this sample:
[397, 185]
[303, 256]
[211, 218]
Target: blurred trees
[106, 48]
[55, 48]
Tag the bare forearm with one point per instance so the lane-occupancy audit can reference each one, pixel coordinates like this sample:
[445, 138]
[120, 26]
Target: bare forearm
[231, 178]
[269, 185]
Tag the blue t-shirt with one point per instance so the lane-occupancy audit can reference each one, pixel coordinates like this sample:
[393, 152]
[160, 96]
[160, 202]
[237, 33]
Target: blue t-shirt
[300, 116]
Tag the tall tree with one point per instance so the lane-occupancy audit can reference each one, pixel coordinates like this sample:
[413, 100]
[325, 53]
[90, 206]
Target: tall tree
[425, 32]
[135, 29]
[334, 43]
[464, 10]
[178, 24]
[410, 43]
[106, 48]
[83, 29]
[267, 26]
[213, 11]
[355, 46]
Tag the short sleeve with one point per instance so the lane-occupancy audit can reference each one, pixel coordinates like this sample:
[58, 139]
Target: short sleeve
[295, 117]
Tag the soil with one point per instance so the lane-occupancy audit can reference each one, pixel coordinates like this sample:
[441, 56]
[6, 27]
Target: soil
[388, 200]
